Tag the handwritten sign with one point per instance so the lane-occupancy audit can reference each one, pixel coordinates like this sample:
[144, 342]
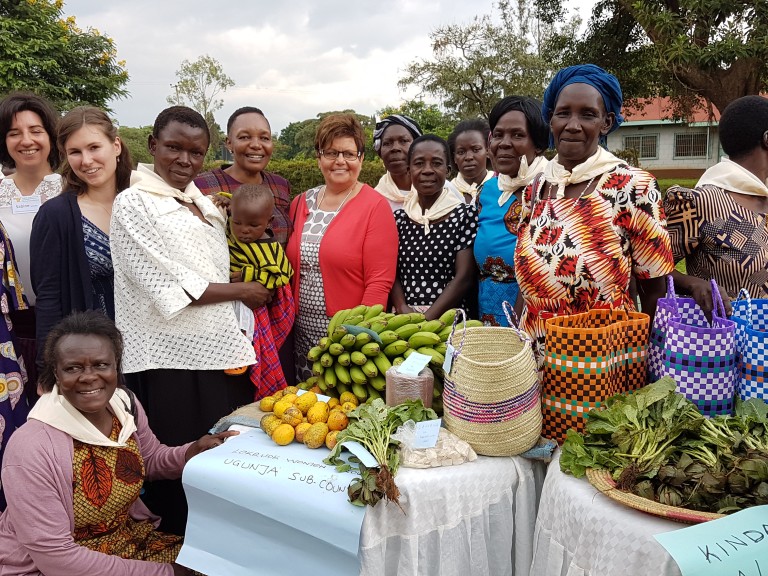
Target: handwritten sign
[736, 545]
[255, 507]
[414, 364]
[427, 433]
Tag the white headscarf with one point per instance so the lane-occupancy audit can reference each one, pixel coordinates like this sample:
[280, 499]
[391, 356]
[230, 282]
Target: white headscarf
[443, 206]
[525, 175]
[600, 162]
[56, 411]
[729, 175]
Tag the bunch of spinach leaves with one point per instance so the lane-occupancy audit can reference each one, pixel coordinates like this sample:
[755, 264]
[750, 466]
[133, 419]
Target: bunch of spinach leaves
[656, 444]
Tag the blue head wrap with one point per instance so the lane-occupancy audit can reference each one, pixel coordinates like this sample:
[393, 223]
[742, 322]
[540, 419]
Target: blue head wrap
[602, 81]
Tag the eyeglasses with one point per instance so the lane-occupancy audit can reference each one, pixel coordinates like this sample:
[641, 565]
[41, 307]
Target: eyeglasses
[334, 154]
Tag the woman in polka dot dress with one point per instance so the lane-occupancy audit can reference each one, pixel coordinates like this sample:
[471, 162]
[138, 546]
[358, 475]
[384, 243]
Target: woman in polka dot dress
[435, 264]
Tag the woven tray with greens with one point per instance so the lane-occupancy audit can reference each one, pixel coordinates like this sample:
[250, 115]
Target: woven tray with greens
[656, 444]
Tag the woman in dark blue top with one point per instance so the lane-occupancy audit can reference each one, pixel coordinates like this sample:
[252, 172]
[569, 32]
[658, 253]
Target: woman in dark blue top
[71, 264]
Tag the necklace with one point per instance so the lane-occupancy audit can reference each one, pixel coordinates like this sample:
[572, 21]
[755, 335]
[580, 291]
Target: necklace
[573, 207]
[320, 201]
[92, 202]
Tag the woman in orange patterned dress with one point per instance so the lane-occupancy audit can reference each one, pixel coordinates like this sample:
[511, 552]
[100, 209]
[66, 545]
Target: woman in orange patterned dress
[590, 222]
[74, 471]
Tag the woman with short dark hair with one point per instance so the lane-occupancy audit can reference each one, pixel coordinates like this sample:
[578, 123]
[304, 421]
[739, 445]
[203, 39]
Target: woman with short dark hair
[719, 226]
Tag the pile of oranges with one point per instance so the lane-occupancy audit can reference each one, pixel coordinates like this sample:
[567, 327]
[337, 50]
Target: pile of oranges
[305, 418]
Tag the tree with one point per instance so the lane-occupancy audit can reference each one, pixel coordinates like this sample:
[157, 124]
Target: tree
[135, 139]
[197, 85]
[430, 117]
[475, 65]
[44, 52]
[297, 140]
[685, 49]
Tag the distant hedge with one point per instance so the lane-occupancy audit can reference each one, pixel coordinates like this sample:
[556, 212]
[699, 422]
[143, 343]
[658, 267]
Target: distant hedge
[304, 174]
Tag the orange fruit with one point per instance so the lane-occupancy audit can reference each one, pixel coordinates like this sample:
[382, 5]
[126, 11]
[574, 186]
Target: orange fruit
[337, 420]
[347, 407]
[318, 413]
[301, 430]
[348, 397]
[333, 402]
[330, 439]
[314, 437]
[267, 403]
[280, 407]
[269, 422]
[283, 434]
[293, 416]
[306, 401]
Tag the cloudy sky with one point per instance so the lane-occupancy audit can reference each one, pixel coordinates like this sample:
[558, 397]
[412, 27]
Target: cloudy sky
[291, 58]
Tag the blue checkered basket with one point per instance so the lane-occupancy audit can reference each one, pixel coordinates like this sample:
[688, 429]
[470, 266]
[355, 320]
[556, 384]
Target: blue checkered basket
[751, 318]
[701, 357]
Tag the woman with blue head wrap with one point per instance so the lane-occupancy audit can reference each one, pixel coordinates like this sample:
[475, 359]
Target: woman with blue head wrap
[590, 223]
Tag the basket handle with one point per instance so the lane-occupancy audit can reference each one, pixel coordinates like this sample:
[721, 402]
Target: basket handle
[453, 329]
[718, 308]
[509, 312]
[671, 296]
[745, 294]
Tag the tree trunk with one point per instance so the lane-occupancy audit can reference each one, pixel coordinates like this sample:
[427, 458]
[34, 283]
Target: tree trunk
[721, 87]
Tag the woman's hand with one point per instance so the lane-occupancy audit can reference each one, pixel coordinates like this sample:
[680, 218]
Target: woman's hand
[701, 291]
[207, 442]
[221, 201]
[255, 294]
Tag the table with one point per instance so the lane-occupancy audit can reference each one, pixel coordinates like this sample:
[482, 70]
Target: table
[581, 532]
[476, 519]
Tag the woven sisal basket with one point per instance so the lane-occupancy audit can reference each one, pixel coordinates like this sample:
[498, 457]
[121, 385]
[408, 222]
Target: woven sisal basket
[602, 480]
[491, 396]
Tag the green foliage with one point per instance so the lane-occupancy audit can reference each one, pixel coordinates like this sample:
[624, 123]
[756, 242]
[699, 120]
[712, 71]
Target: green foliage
[430, 117]
[44, 52]
[197, 85]
[716, 49]
[135, 139]
[303, 173]
[629, 155]
[665, 183]
[297, 140]
[475, 65]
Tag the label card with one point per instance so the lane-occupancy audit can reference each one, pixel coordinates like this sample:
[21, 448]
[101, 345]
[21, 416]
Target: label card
[25, 204]
[736, 545]
[414, 364]
[449, 352]
[362, 453]
[426, 433]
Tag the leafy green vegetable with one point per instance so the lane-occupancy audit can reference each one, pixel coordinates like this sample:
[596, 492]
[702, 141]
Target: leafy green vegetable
[656, 444]
[372, 425]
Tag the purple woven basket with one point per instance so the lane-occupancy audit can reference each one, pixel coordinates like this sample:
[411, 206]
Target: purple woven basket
[700, 356]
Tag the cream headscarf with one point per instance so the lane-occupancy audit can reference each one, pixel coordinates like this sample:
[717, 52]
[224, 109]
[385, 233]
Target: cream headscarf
[525, 175]
[728, 175]
[442, 207]
[600, 162]
[387, 188]
[470, 189]
[145, 178]
[56, 411]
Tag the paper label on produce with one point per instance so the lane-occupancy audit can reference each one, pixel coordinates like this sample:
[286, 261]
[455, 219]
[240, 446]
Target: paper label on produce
[360, 451]
[414, 364]
[736, 545]
[449, 352]
[427, 433]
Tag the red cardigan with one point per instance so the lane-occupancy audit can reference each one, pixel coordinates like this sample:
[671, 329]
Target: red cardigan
[358, 253]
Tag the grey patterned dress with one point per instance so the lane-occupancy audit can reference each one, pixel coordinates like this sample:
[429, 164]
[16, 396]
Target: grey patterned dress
[311, 320]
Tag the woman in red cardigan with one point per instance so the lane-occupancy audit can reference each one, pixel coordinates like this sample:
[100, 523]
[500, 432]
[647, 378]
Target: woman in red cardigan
[344, 245]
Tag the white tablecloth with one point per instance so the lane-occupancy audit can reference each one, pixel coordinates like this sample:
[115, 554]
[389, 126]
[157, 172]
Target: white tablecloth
[581, 532]
[476, 519]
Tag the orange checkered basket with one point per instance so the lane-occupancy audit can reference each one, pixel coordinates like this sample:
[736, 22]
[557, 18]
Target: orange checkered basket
[590, 357]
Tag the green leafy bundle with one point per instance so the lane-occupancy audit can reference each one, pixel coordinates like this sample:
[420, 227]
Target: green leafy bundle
[657, 445]
[372, 425]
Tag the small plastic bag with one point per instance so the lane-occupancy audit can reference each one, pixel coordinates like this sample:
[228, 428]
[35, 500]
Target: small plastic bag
[449, 450]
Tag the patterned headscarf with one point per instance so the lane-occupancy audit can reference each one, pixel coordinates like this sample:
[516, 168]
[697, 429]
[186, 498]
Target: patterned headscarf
[408, 123]
[602, 81]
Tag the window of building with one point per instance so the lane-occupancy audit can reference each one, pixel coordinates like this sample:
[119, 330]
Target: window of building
[646, 145]
[691, 145]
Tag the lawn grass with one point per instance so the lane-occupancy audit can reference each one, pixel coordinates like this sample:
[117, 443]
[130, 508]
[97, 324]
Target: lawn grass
[665, 183]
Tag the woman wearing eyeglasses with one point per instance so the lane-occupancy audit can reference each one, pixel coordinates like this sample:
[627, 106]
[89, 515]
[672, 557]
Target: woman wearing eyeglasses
[344, 246]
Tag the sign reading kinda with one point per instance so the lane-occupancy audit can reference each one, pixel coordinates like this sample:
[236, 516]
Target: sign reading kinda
[736, 545]
[255, 507]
